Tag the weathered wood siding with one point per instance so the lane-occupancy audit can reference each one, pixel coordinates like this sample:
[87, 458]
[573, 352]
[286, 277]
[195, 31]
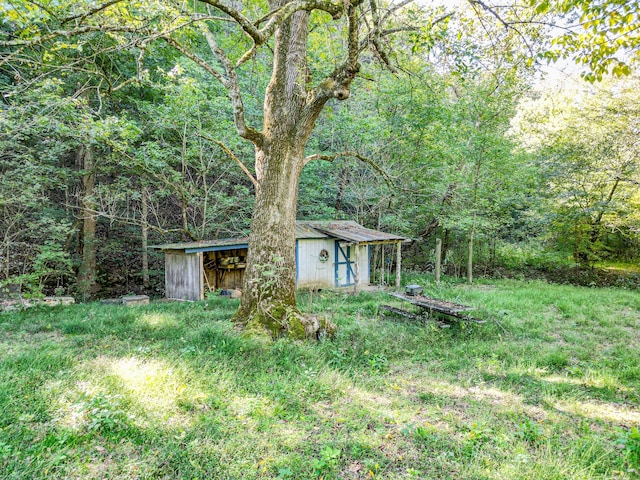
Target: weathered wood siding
[314, 273]
[363, 265]
[231, 279]
[311, 271]
[183, 275]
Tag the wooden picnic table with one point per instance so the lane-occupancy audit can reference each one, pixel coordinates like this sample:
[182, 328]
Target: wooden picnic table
[450, 309]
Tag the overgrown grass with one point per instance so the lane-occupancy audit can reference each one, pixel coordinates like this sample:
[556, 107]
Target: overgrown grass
[172, 390]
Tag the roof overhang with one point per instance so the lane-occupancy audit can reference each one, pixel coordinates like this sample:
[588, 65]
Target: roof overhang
[205, 245]
[352, 232]
[346, 231]
[219, 248]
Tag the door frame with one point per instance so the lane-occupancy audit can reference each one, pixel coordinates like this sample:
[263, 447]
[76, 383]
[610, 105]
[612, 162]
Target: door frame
[344, 258]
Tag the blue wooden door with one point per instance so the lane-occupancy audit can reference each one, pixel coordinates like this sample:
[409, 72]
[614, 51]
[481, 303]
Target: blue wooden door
[344, 265]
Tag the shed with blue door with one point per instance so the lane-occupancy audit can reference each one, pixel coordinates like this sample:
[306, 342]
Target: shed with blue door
[329, 254]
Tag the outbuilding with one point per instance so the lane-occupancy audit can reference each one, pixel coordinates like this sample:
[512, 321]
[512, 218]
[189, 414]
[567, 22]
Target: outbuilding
[332, 253]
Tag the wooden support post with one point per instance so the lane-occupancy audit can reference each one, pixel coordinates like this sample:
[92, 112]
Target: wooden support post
[470, 260]
[202, 274]
[356, 270]
[382, 267]
[398, 263]
[438, 258]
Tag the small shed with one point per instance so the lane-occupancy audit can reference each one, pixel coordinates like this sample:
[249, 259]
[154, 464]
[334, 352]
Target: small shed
[328, 254]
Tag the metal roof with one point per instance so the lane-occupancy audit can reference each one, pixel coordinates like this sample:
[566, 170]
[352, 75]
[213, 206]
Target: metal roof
[205, 245]
[305, 230]
[346, 230]
[350, 231]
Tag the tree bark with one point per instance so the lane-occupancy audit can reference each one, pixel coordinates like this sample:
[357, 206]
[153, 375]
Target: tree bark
[291, 108]
[290, 112]
[470, 259]
[268, 297]
[145, 238]
[87, 270]
[445, 244]
[438, 259]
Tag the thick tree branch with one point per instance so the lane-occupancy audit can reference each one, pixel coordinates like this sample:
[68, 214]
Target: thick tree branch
[228, 151]
[335, 9]
[248, 55]
[375, 36]
[277, 17]
[194, 58]
[273, 20]
[337, 84]
[247, 25]
[232, 85]
[349, 153]
[352, 38]
[230, 82]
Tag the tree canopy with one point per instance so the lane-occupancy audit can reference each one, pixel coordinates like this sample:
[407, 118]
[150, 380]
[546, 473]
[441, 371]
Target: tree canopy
[601, 35]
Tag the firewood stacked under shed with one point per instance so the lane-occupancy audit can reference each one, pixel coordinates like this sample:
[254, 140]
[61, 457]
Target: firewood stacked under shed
[225, 269]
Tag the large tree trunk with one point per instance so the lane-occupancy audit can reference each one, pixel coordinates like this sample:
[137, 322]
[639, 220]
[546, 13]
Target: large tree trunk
[290, 113]
[269, 290]
[268, 297]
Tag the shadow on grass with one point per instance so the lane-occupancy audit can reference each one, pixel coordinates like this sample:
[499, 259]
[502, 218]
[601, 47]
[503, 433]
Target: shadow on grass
[175, 391]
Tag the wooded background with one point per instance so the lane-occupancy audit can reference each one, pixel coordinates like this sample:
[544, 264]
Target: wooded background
[107, 147]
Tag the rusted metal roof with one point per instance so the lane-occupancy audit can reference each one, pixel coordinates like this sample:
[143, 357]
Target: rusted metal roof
[346, 230]
[351, 231]
[202, 245]
[305, 230]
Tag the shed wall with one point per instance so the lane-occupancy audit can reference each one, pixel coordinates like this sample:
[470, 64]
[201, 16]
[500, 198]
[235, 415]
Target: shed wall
[345, 277]
[363, 264]
[311, 272]
[183, 275]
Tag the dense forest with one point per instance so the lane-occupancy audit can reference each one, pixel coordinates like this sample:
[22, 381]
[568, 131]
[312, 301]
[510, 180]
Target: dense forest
[111, 141]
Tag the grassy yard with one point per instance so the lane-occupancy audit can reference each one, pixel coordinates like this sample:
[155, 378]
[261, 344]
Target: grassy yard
[172, 390]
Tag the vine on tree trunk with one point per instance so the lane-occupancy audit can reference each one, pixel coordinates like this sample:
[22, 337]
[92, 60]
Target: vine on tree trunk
[276, 318]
